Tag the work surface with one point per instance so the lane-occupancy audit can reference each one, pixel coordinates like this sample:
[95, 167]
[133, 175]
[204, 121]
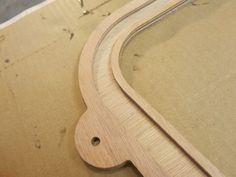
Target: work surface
[10, 8]
[185, 68]
[40, 100]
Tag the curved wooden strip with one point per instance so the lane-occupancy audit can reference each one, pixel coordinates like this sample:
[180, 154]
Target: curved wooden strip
[123, 40]
[114, 129]
[83, 137]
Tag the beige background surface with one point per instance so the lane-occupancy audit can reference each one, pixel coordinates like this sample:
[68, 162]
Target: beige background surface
[40, 101]
[185, 68]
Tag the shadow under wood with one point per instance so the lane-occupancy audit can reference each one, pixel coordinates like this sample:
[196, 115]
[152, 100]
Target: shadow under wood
[133, 171]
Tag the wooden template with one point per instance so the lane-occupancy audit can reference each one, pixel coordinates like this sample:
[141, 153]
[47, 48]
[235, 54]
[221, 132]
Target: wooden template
[102, 137]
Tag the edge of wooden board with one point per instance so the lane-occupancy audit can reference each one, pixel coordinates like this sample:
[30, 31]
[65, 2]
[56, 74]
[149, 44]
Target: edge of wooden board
[96, 109]
[118, 47]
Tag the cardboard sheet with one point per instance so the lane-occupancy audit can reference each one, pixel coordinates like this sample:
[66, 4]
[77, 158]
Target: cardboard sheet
[40, 100]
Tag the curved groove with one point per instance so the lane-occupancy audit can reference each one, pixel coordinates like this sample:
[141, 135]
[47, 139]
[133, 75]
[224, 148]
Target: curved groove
[89, 50]
[118, 47]
[110, 119]
[93, 102]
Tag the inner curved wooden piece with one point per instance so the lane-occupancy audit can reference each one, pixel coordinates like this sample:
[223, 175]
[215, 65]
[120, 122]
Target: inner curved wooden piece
[119, 126]
[181, 69]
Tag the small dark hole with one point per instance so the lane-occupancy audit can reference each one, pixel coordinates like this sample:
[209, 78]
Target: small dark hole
[7, 61]
[95, 141]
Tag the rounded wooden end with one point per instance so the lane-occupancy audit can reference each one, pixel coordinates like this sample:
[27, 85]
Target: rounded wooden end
[96, 143]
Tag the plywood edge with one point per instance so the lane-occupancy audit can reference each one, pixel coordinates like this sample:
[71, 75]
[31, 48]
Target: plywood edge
[123, 40]
[116, 147]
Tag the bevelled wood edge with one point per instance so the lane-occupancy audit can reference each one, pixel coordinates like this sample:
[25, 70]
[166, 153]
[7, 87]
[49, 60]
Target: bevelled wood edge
[98, 124]
[123, 40]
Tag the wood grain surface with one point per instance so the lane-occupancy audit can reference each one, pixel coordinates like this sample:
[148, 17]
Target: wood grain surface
[119, 126]
[40, 100]
[187, 69]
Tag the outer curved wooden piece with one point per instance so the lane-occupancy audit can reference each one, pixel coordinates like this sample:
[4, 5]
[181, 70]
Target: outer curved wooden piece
[119, 126]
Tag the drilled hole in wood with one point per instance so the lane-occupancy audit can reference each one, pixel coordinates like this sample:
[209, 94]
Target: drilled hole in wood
[95, 141]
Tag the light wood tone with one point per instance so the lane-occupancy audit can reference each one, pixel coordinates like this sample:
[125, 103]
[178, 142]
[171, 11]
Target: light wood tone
[184, 66]
[42, 75]
[129, 132]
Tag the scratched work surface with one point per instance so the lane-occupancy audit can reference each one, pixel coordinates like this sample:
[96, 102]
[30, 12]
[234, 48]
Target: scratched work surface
[185, 67]
[40, 101]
